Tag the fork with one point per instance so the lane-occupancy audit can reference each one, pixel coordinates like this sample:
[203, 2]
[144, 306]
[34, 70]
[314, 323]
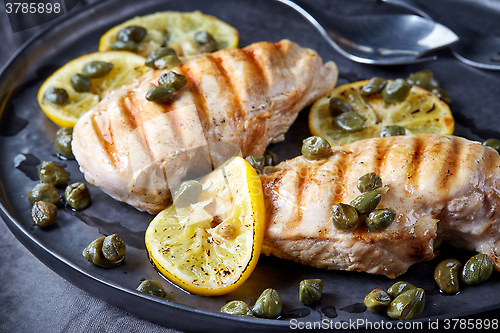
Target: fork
[475, 49]
[378, 39]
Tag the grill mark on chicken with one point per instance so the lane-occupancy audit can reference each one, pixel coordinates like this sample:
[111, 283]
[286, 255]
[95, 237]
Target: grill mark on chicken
[106, 144]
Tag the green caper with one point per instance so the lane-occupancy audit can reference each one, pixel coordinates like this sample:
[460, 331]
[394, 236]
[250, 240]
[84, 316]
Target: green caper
[268, 305]
[377, 300]
[366, 202]
[44, 213]
[398, 288]
[447, 275]
[57, 96]
[477, 269]
[206, 43]
[95, 69]
[338, 106]
[188, 193]
[349, 122]
[375, 85]
[113, 247]
[151, 287]
[167, 61]
[77, 195]
[407, 305]
[369, 182]
[315, 147]
[310, 291]
[392, 130]
[172, 80]
[493, 143]
[80, 83]
[124, 46]
[442, 95]
[64, 137]
[396, 91]
[93, 254]
[257, 162]
[159, 94]
[237, 308]
[157, 54]
[44, 192]
[424, 79]
[379, 219]
[270, 159]
[344, 217]
[132, 33]
[52, 173]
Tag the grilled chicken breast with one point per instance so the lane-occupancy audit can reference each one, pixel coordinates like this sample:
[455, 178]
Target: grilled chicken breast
[443, 188]
[134, 149]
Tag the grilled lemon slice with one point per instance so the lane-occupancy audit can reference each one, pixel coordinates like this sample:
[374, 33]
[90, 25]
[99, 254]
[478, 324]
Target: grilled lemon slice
[175, 29]
[421, 112]
[210, 247]
[126, 67]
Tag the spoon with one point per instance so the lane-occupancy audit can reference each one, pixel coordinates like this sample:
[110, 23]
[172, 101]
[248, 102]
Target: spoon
[378, 39]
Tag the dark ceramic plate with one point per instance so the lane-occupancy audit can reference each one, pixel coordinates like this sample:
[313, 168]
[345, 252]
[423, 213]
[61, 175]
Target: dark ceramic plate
[27, 136]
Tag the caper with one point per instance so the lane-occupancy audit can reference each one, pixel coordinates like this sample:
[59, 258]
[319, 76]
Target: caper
[477, 269]
[124, 46]
[93, 253]
[159, 94]
[237, 308]
[80, 83]
[268, 305]
[132, 33]
[369, 182]
[157, 54]
[338, 105]
[396, 91]
[493, 143]
[52, 173]
[310, 291]
[366, 202]
[77, 195]
[64, 137]
[447, 275]
[96, 69]
[398, 288]
[270, 159]
[349, 122]
[375, 85]
[257, 162]
[380, 218]
[113, 247]
[392, 130]
[44, 192]
[151, 287]
[442, 95]
[206, 43]
[377, 300]
[315, 147]
[167, 61]
[172, 80]
[424, 79]
[344, 217]
[407, 305]
[57, 96]
[188, 193]
[44, 213]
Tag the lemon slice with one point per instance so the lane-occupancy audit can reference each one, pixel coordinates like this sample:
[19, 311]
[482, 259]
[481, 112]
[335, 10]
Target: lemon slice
[126, 68]
[421, 112]
[212, 246]
[177, 30]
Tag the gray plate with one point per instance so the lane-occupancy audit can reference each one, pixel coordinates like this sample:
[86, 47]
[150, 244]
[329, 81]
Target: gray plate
[27, 136]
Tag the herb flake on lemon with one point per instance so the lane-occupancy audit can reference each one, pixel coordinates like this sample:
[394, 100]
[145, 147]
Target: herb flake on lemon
[211, 246]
